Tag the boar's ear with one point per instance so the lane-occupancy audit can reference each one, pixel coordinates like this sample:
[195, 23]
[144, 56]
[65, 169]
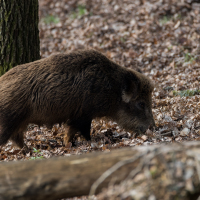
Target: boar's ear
[130, 87]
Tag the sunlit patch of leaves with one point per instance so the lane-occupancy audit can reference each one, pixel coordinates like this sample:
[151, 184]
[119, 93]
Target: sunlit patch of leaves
[50, 19]
[186, 93]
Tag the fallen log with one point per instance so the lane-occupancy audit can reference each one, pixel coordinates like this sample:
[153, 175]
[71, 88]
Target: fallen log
[157, 169]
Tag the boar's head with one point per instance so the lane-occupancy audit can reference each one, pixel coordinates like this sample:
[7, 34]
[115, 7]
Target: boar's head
[135, 111]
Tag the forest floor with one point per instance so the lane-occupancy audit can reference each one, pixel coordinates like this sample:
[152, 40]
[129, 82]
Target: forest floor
[159, 37]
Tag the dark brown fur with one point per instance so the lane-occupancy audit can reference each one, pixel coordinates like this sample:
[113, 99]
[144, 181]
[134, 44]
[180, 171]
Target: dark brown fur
[73, 88]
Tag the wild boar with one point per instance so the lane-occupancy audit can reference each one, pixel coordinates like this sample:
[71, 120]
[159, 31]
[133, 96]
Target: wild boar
[73, 88]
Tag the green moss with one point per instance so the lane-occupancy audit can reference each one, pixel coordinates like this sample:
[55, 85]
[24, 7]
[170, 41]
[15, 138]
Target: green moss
[80, 11]
[164, 19]
[178, 17]
[50, 19]
[189, 57]
[6, 16]
[153, 172]
[38, 154]
[123, 39]
[5, 67]
[169, 48]
[186, 93]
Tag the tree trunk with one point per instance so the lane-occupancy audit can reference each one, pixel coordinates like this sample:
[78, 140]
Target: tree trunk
[19, 34]
[166, 172]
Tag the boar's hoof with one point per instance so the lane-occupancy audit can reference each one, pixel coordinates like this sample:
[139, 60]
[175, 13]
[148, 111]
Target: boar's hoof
[25, 149]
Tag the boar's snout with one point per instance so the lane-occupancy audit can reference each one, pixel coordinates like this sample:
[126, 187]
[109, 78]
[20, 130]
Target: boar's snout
[142, 129]
[150, 123]
[150, 126]
[134, 122]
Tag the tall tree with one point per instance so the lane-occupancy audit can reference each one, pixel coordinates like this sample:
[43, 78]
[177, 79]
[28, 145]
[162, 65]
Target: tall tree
[19, 34]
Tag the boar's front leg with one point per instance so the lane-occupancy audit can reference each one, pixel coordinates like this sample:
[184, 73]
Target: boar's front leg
[81, 125]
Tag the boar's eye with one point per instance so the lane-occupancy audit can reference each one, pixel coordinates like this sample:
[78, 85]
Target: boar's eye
[141, 105]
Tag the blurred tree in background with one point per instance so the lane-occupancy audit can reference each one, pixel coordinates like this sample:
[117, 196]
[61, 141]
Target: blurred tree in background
[19, 34]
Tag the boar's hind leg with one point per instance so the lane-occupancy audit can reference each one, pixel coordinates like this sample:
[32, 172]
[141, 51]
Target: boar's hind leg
[18, 135]
[9, 132]
[82, 126]
[18, 139]
[4, 135]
